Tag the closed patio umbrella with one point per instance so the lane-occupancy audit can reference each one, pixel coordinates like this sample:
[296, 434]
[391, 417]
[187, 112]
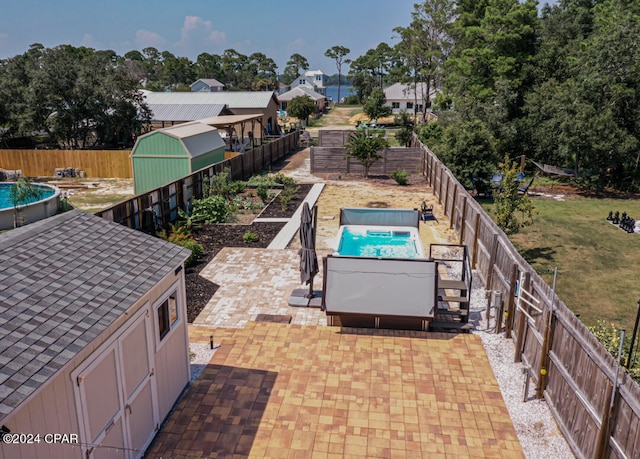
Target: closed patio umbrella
[308, 257]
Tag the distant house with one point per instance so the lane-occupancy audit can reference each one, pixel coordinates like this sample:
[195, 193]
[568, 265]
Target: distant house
[207, 85]
[235, 103]
[167, 154]
[315, 80]
[404, 97]
[319, 99]
[93, 340]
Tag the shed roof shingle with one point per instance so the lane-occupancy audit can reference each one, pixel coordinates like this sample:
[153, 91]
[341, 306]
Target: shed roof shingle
[63, 281]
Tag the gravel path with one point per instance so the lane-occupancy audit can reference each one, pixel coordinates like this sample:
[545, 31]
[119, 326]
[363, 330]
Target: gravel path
[537, 430]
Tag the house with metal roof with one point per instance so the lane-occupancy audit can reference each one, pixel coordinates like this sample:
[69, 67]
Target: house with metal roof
[319, 100]
[167, 115]
[237, 103]
[167, 154]
[93, 337]
[207, 85]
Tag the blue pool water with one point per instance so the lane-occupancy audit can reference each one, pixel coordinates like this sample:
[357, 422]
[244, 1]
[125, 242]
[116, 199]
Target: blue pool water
[6, 203]
[358, 242]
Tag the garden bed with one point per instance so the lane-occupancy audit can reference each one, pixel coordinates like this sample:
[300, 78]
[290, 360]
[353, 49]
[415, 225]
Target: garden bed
[215, 237]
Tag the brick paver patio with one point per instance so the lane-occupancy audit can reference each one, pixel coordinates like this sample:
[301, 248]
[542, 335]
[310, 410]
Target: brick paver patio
[295, 391]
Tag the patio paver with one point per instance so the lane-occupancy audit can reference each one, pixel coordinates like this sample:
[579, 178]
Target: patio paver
[256, 281]
[278, 390]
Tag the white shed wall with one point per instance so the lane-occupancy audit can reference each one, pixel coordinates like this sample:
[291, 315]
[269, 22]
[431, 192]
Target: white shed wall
[54, 410]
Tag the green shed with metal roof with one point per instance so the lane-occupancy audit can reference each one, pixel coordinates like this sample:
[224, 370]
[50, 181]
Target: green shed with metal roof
[168, 154]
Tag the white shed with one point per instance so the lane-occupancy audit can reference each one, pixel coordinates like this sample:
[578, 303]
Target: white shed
[93, 337]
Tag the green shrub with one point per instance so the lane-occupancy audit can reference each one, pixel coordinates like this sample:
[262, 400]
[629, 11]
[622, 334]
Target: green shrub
[180, 234]
[284, 180]
[250, 237]
[286, 195]
[262, 179]
[609, 336]
[263, 192]
[213, 209]
[222, 185]
[352, 99]
[401, 177]
[242, 203]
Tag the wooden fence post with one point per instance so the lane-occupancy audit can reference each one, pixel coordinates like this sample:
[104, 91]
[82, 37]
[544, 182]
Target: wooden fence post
[522, 320]
[474, 257]
[492, 259]
[464, 220]
[544, 358]
[602, 442]
[446, 197]
[511, 301]
[453, 206]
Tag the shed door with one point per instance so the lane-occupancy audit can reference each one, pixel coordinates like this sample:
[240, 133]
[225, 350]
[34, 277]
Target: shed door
[117, 394]
[139, 384]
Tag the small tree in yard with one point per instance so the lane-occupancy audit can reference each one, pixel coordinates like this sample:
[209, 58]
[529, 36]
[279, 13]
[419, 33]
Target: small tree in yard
[405, 133]
[375, 106]
[301, 108]
[364, 147]
[22, 192]
[508, 202]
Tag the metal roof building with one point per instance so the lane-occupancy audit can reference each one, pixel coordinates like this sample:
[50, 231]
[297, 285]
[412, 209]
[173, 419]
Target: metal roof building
[168, 154]
[166, 115]
[237, 103]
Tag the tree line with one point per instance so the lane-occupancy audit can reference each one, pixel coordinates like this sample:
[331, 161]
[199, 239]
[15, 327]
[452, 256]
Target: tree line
[560, 85]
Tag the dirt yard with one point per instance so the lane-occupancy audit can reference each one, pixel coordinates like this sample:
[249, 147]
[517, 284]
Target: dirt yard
[374, 193]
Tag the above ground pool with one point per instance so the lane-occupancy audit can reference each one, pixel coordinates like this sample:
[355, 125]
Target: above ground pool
[35, 210]
[379, 242]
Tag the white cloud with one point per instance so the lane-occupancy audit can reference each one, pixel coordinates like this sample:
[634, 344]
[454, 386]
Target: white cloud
[196, 33]
[146, 39]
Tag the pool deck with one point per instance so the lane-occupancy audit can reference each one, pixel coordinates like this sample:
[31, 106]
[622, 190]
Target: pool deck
[295, 391]
[306, 390]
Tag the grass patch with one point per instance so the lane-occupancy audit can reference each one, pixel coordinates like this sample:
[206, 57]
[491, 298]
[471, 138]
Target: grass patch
[597, 261]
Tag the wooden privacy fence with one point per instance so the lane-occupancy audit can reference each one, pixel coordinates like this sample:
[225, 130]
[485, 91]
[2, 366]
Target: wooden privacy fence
[42, 163]
[569, 367]
[327, 160]
[333, 137]
[159, 207]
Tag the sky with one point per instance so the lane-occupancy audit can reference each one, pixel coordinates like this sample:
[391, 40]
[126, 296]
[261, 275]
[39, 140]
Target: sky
[187, 28]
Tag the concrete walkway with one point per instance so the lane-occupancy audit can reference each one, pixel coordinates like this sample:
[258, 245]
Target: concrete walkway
[287, 233]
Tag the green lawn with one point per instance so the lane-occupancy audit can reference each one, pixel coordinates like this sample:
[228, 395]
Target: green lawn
[598, 263]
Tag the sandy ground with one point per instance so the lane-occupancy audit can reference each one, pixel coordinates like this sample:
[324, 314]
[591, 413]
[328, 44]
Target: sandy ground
[344, 193]
[91, 194]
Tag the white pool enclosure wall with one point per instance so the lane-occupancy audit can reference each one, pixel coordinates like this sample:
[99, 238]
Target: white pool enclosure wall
[380, 288]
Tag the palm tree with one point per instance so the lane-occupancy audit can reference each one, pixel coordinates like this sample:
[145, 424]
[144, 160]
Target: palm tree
[22, 192]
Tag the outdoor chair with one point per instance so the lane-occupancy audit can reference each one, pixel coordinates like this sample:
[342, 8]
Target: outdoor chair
[426, 212]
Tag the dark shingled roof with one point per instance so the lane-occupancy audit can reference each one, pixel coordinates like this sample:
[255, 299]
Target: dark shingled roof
[63, 281]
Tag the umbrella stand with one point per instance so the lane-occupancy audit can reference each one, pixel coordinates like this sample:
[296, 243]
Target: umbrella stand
[308, 260]
[314, 225]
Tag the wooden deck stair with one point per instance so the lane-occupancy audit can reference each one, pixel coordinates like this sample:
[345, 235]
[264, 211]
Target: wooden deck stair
[454, 295]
